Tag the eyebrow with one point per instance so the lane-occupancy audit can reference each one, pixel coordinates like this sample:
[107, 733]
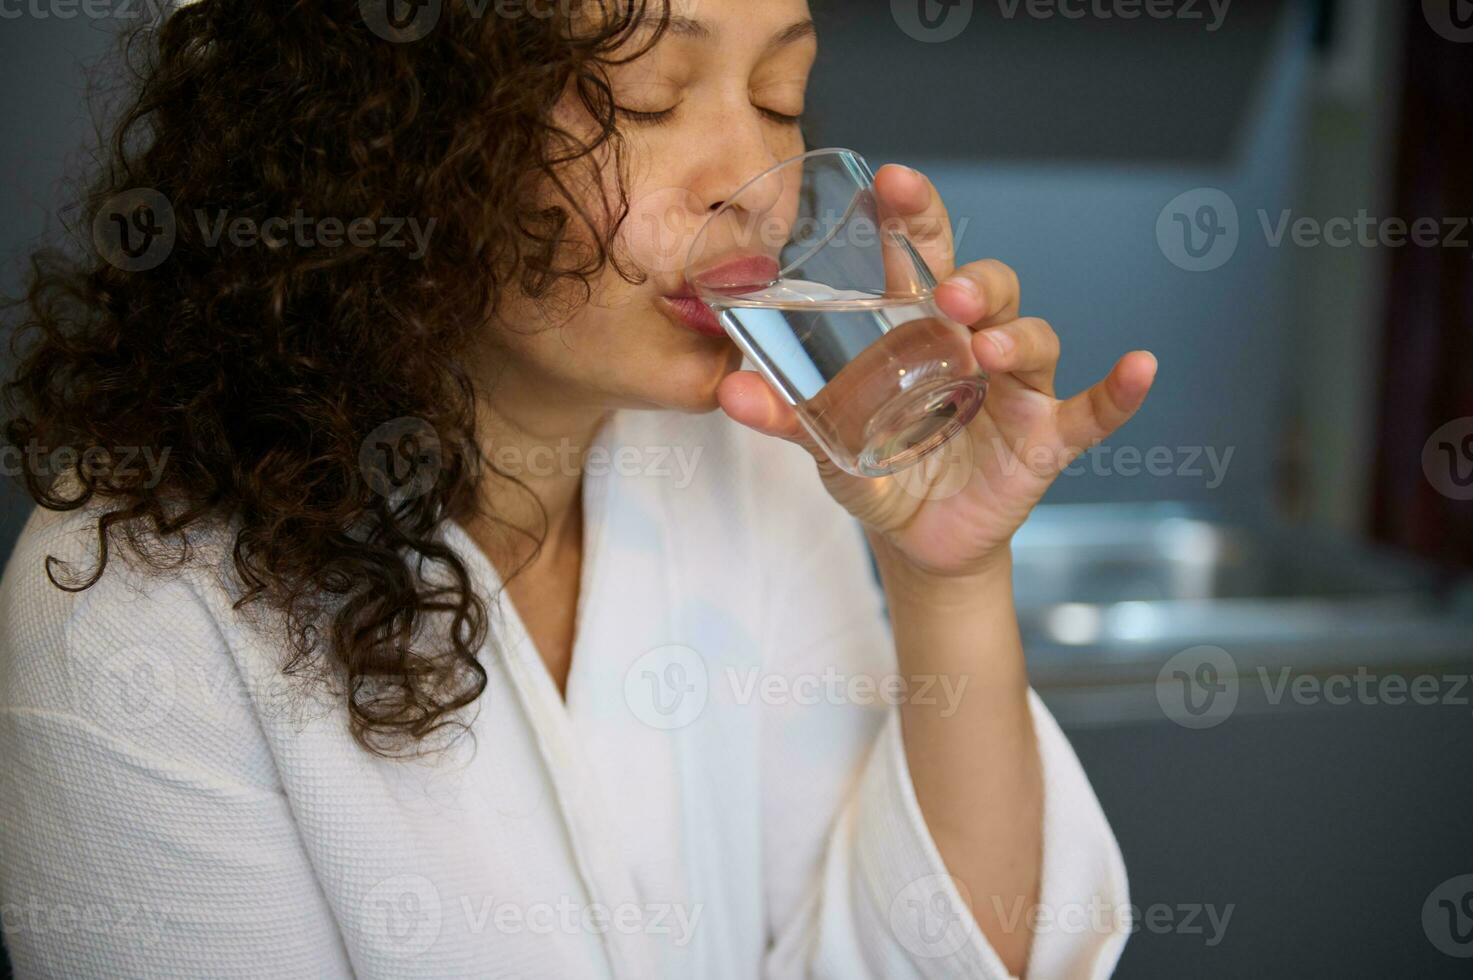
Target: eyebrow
[689, 27]
[793, 32]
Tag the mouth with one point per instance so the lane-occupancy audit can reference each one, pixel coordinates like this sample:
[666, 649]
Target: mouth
[741, 274]
[692, 313]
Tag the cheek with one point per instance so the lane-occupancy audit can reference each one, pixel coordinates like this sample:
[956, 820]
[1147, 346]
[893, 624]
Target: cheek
[785, 210]
[791, 143]
[616, 349]
[659, 229]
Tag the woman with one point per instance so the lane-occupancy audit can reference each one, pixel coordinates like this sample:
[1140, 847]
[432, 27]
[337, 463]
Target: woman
[456, 633]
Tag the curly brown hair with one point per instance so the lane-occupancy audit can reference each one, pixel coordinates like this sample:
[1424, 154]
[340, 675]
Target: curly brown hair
[261, 370]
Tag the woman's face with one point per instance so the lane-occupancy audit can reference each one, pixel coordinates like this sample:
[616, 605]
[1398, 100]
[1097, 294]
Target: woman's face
[711, 105]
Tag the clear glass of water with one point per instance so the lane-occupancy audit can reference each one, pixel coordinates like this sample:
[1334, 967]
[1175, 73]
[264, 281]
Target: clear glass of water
[823, 290]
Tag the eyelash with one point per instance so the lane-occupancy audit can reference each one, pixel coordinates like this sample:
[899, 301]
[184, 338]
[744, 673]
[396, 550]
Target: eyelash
[663, 116]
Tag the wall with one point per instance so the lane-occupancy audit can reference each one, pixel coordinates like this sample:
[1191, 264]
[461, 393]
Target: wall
[1059, 143]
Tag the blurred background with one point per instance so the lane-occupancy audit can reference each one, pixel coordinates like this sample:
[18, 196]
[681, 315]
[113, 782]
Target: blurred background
[1251, 610]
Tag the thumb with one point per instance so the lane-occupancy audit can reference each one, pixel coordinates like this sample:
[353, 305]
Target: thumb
[747, 398]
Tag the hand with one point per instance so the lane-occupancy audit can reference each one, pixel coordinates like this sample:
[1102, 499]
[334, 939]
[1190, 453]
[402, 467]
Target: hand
[955, 513]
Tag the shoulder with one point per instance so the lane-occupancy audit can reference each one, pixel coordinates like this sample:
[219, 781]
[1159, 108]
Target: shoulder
[41, 595]
[140, 656]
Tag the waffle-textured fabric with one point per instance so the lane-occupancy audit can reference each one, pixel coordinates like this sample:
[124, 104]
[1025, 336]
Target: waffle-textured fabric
[723, 795]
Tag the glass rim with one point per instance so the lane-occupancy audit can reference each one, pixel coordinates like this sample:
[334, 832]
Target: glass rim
[864, 176]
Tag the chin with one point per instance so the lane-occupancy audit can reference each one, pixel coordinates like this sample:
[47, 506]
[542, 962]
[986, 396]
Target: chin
[687, 382]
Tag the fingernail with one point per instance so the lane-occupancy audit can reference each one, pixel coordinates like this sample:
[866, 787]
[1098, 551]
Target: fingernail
[964, 284]
[1001, 340]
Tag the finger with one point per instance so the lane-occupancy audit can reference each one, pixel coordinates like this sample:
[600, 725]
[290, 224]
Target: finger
[1028, 349]
[1092, 415]
[906, 197]
[980, 294]
[747, 398]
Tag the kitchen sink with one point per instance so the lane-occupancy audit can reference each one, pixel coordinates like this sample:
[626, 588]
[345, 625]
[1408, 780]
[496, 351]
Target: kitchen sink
[1107, 592]
[1108, 553]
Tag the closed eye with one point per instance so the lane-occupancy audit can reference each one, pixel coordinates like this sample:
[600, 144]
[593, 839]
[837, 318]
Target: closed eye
[646, 118]
[780, 117]
[658, 116]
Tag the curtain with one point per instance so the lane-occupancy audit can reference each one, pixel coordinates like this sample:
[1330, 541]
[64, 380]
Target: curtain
[1422, 495]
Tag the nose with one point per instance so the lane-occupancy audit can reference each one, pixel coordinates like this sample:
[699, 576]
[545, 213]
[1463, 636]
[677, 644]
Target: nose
[751, 190]
[731, 161]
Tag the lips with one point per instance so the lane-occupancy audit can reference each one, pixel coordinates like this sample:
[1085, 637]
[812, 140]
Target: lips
[738, 274]
[691, 312]
[733, 276]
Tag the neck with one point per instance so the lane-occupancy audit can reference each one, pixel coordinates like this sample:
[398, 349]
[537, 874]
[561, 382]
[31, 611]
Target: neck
[533, 447]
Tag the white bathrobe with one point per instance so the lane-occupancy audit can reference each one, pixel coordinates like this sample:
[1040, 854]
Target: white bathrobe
[723, 795]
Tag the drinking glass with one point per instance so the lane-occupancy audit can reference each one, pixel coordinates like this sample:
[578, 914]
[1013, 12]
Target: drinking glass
[818, 283]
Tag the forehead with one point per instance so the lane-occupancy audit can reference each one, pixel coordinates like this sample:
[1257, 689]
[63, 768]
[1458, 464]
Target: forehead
[770, 21]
